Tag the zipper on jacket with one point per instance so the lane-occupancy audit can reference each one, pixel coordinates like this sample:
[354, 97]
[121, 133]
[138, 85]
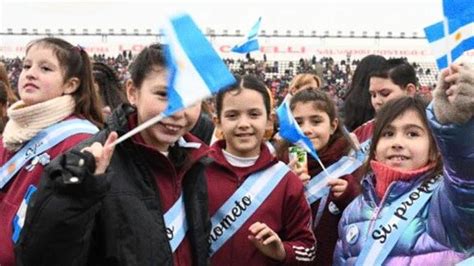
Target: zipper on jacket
[379, 207]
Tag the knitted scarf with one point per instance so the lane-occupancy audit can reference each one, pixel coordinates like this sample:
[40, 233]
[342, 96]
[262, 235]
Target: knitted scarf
[26, 121]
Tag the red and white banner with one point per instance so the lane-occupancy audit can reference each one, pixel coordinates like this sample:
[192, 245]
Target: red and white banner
[274, 48]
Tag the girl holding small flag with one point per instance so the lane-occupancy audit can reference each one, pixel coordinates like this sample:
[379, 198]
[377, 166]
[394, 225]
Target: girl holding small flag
[258, 210]
[57, 110]
[142, 202]
[316, 114]
[411, 212]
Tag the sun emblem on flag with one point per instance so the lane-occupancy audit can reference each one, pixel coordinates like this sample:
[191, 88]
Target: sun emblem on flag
[458, 36]
[11, 168]
[181, 64]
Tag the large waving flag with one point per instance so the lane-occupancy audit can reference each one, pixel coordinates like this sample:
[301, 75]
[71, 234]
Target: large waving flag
[291, 131]
[454, 35]
[196, 71]
[251, 41]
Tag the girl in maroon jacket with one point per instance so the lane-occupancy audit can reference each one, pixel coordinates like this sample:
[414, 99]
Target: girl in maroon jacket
[57, 97]
[316, 114]
[258, 210]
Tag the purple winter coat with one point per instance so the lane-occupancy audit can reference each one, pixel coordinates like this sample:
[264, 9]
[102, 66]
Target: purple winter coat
[442, 233]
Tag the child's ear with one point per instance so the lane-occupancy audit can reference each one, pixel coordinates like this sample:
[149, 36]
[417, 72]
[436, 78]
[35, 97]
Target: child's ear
[131, 92]
[71, 85]
[271, 119]
[215, 119]
[334, 125]
[410, 89]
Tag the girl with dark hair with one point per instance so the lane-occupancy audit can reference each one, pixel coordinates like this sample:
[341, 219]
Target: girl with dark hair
[142, 203]
[411, 212]
[55, 112]
[357, 105]
[259, 213]
[393, 79]
[109, 87]
[316, 114]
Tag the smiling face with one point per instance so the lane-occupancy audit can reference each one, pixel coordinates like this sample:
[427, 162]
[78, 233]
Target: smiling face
[404, 144]
[314, 123]
[382, 90]
[243, 120]
[151, 99]
[42, 77]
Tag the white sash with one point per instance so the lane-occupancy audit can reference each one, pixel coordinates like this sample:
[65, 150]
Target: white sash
[176, 224]
[42, 142]
[387, 230]
[243, 203]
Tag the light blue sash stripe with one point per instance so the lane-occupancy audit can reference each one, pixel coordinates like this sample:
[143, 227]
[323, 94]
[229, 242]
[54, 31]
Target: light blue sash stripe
[377, 248]
[19, 219]
[243, 204]
[317, 187]
[175, 220]
[466, 262]
[43, 141]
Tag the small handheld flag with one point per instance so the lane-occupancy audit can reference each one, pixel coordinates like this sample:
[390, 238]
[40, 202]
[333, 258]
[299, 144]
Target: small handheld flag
[195, 70]
[291, 131]
[251, 41]
[454, 35]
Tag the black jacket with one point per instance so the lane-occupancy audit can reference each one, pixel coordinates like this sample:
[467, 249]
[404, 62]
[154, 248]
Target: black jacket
[111, 219]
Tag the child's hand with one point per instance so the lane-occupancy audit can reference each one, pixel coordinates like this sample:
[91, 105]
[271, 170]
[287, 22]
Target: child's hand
[102, 154]
[338, 186]
[267, 241]
[299, 171]
[454, 95]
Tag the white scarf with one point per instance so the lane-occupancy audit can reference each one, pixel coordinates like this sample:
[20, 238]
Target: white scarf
[26, 121]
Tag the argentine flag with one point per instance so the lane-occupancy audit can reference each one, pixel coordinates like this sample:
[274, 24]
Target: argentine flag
[453, 8]
[251, 42]
[454, 35]
[291, 131]
[195, 70]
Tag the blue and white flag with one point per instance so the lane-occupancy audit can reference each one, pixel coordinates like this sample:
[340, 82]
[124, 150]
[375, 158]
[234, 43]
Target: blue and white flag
[251, 42]
[291, 131]
[451, 37]
[453, 8]
[195, 70]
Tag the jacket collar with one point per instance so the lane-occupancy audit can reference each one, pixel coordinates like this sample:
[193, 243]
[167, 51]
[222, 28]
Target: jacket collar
[264, 160]
[394, 190]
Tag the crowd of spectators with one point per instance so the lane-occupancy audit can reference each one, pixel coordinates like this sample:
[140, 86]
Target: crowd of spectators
[335, 74]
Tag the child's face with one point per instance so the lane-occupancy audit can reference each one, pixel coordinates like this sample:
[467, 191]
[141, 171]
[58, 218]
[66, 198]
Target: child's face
[243, 120]
[42, 77]
[151, 99]
[383, 90]
[315, 123]
[404, 144]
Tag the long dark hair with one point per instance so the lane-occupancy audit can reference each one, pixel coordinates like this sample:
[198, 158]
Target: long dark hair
[110, 90]
[394, 109]
[358, 108]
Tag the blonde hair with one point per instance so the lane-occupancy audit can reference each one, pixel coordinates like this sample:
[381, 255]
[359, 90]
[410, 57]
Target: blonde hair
[302, 80]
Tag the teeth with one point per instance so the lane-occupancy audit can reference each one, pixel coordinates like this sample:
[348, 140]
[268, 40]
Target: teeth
[399, 158]
[173, 128]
